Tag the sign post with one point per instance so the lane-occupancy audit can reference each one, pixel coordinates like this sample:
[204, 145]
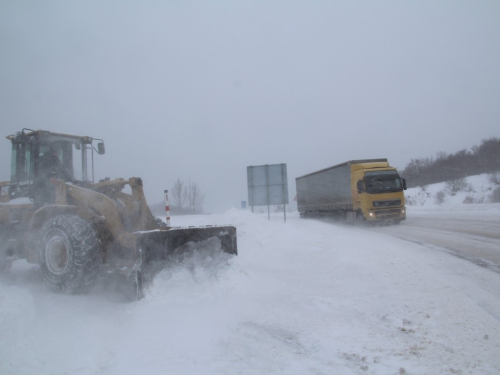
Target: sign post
[167, 207]
[267, 185]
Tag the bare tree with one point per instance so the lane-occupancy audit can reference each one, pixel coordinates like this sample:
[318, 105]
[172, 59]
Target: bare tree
[194, 197]
[484, 158]
[179, 194]
[422, 196]
[454, 186]
[440, 197]
[494, 178]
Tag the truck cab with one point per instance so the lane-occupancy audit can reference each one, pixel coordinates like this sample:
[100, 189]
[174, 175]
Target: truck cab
[378, 191]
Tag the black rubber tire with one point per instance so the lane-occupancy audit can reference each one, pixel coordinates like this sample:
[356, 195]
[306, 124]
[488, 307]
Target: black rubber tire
[70, 254]
[360, 219]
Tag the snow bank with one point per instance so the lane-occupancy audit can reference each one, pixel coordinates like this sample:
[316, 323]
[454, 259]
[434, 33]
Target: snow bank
[477, 189]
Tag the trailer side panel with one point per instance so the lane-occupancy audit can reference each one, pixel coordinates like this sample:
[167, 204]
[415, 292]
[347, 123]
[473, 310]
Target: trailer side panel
[326, 188]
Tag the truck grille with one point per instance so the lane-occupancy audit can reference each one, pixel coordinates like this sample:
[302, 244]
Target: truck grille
[386, 214]
[389, 203]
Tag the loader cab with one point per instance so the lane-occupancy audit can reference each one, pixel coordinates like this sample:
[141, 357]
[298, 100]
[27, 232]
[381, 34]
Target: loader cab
[42, 155]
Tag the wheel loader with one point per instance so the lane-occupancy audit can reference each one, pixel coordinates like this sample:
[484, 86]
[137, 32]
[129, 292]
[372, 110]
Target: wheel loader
[52, 214]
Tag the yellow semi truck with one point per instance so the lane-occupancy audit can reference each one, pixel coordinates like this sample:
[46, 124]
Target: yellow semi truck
[357, 190]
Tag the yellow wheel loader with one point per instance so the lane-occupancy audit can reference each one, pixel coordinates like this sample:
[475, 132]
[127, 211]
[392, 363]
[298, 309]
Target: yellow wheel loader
[53, 215]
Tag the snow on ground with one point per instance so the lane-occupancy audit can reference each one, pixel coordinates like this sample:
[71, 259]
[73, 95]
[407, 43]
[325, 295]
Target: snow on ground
[477, 189]
[302, 297]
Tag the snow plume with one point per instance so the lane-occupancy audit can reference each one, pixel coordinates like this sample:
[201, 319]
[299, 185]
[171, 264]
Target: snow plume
[196, 269]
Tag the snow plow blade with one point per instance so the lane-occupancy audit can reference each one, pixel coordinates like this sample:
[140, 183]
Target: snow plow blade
[161, 244]
[159, 248]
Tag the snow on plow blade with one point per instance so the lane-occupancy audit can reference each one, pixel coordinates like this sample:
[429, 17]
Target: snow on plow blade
[159, 248]
[154, 250]
[161, 244]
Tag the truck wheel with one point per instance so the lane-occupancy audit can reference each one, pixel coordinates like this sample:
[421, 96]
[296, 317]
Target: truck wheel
[69, 254]
[360, 219]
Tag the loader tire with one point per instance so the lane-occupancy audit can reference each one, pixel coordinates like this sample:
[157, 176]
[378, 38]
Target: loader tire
[70, 255]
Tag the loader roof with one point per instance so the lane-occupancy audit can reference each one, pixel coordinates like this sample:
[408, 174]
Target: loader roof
[33, 136]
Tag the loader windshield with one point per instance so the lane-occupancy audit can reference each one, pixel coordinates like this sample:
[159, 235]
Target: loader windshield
[32, 160]
[22, 164]
[383, 182]
[55, 160]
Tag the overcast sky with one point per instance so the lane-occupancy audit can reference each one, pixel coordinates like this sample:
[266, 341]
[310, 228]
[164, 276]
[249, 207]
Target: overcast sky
[200, 90]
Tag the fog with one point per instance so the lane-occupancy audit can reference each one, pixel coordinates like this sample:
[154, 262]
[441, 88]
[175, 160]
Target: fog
[199, 91]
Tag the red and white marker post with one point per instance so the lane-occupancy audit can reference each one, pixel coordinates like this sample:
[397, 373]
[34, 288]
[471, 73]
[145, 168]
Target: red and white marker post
[167, 207]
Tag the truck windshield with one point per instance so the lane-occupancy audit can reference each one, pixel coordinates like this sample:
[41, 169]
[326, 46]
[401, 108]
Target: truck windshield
[382, 182]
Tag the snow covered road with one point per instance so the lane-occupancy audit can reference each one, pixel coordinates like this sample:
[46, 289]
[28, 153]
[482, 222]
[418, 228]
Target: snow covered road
[471, 234]
[305, 297]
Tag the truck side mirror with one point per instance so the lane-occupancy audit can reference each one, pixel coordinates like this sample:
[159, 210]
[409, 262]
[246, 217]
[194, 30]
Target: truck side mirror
[360, 186]
[100, 148]
[403, 181]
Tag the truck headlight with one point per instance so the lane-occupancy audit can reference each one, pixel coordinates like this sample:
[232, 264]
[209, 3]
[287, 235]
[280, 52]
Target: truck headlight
[403, 211]
[371, 214]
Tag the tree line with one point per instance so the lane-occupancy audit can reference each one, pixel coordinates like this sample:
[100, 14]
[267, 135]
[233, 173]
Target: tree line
[484, 158]
[186, 198]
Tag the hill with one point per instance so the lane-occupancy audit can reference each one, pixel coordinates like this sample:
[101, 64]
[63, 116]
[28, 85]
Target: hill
[479, 189]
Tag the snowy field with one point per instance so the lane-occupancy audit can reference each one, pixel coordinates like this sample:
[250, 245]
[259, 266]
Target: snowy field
[476, 190]
[302, 297]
